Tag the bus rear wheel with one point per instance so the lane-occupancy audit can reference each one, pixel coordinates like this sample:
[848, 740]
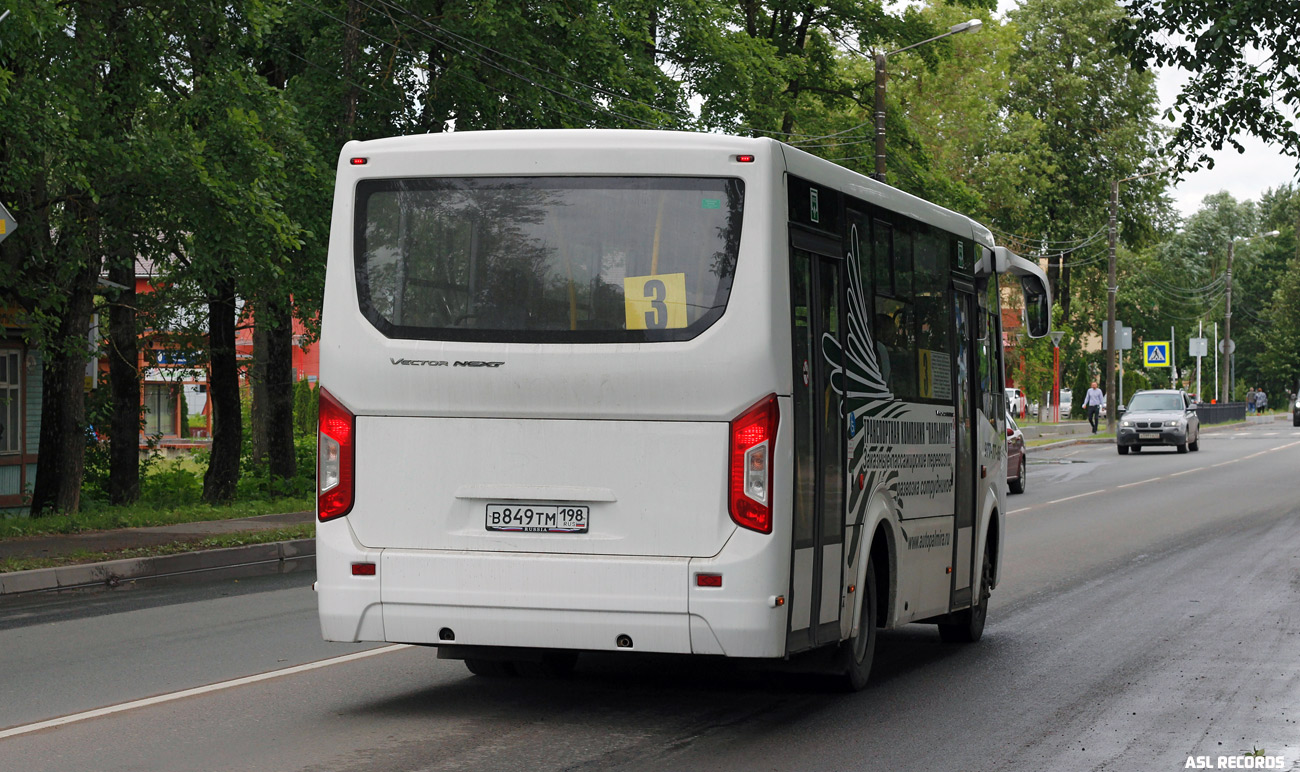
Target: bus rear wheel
[855, 654]
[968, 625]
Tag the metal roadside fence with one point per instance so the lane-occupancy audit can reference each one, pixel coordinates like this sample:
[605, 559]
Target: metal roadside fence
[1221, 413]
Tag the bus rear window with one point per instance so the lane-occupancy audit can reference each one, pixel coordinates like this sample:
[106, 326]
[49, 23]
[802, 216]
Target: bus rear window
[546, 259]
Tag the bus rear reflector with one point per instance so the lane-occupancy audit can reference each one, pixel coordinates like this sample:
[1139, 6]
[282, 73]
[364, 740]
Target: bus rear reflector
[336, 450]
[752, 444]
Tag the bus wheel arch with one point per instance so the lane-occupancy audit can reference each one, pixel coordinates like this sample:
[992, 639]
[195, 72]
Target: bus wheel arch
[883, 553]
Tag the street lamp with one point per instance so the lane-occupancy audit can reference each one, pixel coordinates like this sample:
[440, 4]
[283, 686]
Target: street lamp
[1227, 314]
[973, 25]
[1112, 288]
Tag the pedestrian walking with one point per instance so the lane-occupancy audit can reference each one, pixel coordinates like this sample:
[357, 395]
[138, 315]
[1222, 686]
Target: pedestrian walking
[1092, 402]
[1250, 401]
[1261, 400]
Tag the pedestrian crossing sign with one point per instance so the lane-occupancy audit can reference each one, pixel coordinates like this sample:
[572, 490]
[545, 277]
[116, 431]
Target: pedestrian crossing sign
[1157, 353]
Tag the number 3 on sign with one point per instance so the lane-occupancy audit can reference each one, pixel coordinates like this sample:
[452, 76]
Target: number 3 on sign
[655, 302]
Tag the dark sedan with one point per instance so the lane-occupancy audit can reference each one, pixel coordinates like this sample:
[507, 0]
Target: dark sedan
[1015, 456]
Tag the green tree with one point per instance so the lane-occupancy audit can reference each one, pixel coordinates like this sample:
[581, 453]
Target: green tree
[1243, 64]
[74, 79]
[1096, 122]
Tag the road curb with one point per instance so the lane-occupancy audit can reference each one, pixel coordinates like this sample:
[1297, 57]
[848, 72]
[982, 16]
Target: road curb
[1086, 440]
[230, 562]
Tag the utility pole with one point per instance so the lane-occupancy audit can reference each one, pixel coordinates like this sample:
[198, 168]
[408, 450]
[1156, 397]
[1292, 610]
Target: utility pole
[882, 60]
[1227, 326]
[1112, 289]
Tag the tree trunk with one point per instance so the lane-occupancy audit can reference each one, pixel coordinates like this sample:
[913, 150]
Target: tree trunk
[63, 406]
[257, 382]
[124, 385]
[350, 53]
[223, 388]
[279, 380]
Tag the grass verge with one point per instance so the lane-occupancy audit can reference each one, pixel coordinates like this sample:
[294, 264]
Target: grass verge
[1069, 438]
[141, 516]
[303, 531]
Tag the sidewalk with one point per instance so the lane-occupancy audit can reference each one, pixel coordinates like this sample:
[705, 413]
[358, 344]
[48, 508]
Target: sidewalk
[249, 560]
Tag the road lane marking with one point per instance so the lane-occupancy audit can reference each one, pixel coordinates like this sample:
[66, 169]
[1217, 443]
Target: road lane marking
[1078, 496]
[217, 687]
[1153, 479]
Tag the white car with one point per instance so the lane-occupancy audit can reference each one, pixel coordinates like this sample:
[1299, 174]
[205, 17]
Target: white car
[1015, 402]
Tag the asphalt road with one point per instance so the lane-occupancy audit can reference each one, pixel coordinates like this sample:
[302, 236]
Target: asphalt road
[1148, 612]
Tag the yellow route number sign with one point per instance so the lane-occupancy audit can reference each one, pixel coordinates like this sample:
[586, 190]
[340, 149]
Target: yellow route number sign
[655, 302]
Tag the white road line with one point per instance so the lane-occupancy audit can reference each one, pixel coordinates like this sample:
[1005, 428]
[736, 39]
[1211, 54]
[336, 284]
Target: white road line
[1187, 471]
[1139, 482]
[220, 686]
[1078, 496]
[1022, 509]
[1225, 463]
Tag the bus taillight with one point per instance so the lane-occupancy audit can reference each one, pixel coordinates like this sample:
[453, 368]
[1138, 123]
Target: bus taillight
[753, 441]
[336, 451]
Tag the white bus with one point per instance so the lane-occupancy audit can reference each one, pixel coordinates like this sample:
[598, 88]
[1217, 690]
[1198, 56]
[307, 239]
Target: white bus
[654, 392]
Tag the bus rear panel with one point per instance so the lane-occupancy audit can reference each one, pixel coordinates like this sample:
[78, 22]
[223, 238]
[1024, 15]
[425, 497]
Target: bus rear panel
[542, 361]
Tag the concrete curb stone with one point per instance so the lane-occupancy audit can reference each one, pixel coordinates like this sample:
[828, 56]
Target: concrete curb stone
[249, 560]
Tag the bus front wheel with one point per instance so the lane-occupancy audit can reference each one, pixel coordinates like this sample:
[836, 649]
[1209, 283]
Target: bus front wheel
[855, 654]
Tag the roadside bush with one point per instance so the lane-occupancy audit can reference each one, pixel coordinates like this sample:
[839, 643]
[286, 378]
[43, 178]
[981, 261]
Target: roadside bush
[305, 398]
[171, 484]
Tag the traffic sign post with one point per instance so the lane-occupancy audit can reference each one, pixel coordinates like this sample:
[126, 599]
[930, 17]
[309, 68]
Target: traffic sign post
[1198, 347]
[7, 223]
[1056, 375]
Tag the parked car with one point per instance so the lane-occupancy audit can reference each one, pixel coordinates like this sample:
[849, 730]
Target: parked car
[1159, 417]
[1016, 402]
[1015, 456]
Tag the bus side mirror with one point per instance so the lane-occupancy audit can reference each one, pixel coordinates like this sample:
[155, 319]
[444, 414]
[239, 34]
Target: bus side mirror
[1038, 306]
[1033, 283]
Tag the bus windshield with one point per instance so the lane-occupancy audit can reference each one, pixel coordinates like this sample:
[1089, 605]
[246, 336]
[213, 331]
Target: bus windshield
[546, 259]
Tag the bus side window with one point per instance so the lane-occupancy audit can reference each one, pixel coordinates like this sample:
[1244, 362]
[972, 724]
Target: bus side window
[933, 309]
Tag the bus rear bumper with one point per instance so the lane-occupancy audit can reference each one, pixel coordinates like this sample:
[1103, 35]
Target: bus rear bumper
[536, 600]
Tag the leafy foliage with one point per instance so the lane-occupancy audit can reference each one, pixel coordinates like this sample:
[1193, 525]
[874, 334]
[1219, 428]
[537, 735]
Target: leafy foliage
[1243, 64]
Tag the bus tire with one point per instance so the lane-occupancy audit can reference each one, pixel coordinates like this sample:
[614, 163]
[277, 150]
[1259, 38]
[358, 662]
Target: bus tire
[855, 654]
[491, 668]
[968, 624]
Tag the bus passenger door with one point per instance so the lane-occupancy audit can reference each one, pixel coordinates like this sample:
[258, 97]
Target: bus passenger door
[965, 391]
[819, 447]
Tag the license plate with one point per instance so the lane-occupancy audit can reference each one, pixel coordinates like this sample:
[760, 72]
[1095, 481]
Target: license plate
[537, 518]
